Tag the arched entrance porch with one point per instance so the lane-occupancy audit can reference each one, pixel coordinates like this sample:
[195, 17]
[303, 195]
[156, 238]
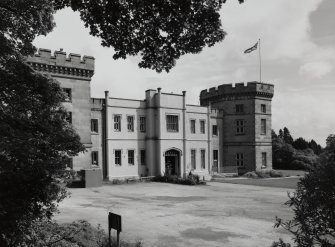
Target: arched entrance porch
[172, 162]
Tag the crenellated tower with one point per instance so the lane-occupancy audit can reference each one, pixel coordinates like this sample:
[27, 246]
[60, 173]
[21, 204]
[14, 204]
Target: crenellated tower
[74, 74]
[246, 138]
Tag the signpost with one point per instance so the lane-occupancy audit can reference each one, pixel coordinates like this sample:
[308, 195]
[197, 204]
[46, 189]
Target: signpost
[114, 221]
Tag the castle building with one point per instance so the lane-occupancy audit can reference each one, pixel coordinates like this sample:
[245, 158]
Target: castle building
[229, 132]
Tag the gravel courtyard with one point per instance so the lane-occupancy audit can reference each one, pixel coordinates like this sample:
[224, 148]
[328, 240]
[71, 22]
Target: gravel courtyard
[168, 215]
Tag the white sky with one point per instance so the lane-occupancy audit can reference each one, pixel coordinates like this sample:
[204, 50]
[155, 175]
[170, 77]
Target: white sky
[298, 57]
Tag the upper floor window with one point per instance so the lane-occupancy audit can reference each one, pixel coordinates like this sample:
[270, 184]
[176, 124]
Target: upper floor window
[192, 126]
[142, 124]
[130, 123]
[239, 159]
[263, 108]
[95, 158]
[193, 159]
[239, 108]
[203, 159]
[117, 122]
[131, 157]
[117, 154]
[172, 123]
[202, 126]
[94, 125]
[239, 126]
[68, 94]
[143, 157]
[214, 130]
[263, 126]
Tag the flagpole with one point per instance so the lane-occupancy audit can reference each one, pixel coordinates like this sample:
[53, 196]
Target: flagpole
[260, 61]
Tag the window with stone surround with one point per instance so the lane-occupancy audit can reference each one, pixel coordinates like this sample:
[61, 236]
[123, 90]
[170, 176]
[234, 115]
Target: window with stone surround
[94, 126]
[192, 123]
[214, 130]
[130, 123]
[117, 122]
[68, 94]
[117, 154]
[239, 108]
[193, 159]
[203, 158]
[95, 158]
[131, 154]
[142, 124]
[202, 126]
[264, 160]
[143, 157]
[172, 124]
[239, 159]
[240, 128]
[263, 108]
[263, 126]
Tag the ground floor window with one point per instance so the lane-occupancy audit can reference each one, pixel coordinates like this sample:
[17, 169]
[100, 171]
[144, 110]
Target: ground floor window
[239, 159]
[143, 157]
[95, 158]
[193, 159]
[264, 161]
[203, 159]
[117, 154]
[131, 157]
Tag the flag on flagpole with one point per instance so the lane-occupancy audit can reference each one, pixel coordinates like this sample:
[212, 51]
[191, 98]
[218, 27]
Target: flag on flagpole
[251, 48]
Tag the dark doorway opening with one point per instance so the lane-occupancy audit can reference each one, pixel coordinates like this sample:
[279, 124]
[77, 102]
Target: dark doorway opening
[172, 162]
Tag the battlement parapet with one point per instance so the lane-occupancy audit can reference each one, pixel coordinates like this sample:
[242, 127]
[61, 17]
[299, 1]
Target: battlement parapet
[240, 89]
[60, 63]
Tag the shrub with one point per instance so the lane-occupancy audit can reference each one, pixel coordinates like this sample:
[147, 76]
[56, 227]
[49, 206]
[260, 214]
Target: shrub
[263, 174]
[276, 174]
[191, 179]
[250, 175]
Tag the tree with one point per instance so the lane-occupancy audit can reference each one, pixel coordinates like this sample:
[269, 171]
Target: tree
[287, 136]
[300, 143]
[35, 139]
[313, 203]
[281, 134]
[315, 147]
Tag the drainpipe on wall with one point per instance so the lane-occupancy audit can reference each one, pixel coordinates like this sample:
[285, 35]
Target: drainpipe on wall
[105, 138]
[184, 134]
[209, 136]
[159, 136]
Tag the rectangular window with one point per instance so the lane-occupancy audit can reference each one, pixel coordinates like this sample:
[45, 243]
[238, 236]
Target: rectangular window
[263, 126]
[117, 157]
[263, 108]
[68, 117]
[94, 125]
[131, 157]
[239, 108]
[202, 126]
[239, 126]
[95, 158]
[203, 159]
[68, 94]
[117, 122]
[68, 162]
[264, 161]
[192, 126]
[142, 124]
[215, 158]
[143, 157]
[172, 123]
[215, 130]
[193, 159]
[239, 160]
[130, 123]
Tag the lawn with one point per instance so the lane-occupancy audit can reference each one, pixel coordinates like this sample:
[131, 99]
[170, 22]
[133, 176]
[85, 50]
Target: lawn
[169, 215]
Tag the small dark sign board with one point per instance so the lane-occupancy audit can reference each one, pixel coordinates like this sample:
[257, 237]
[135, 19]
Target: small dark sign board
[114, 222]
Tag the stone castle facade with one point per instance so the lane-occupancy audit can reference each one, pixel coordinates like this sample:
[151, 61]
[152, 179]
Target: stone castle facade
[229, 132]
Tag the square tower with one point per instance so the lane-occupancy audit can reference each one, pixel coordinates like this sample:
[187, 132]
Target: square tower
[246, 138]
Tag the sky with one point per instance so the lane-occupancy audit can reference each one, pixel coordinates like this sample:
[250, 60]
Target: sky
[297, 51]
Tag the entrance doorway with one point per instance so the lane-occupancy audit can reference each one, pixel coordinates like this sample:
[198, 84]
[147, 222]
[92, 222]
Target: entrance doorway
[172, 163]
